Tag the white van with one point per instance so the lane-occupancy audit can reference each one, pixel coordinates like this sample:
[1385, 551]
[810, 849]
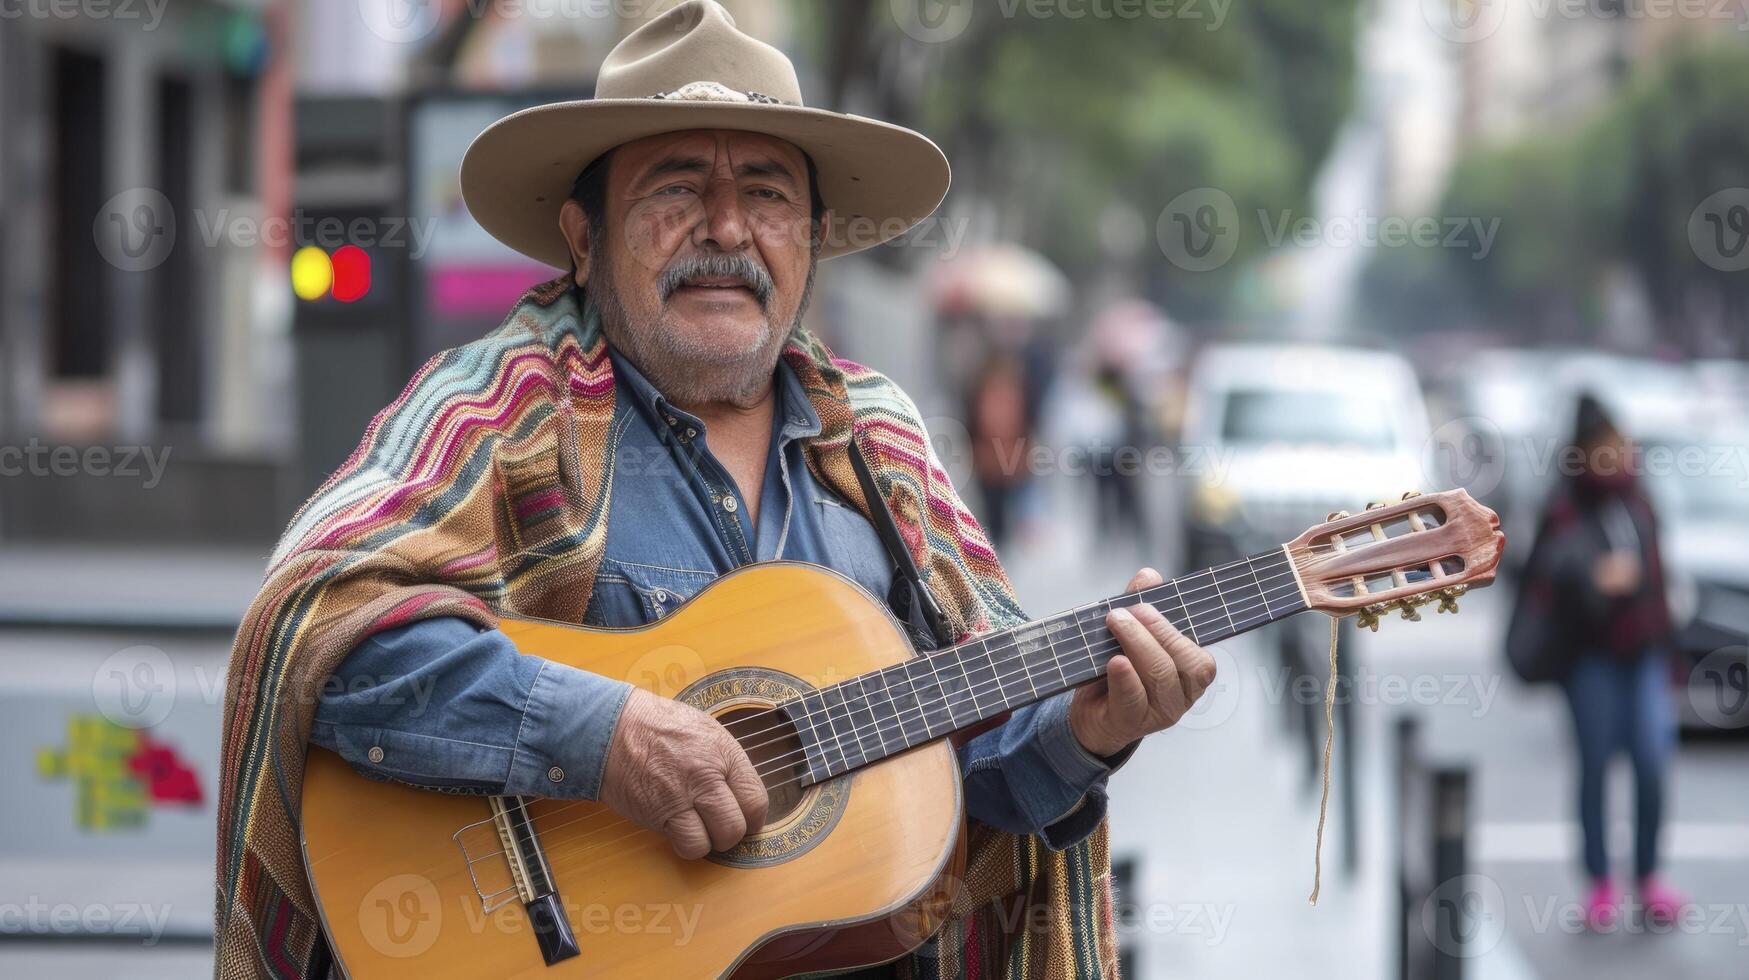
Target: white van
[1289, 433]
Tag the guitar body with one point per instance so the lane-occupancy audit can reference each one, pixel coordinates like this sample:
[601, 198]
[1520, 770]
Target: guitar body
[855, 870]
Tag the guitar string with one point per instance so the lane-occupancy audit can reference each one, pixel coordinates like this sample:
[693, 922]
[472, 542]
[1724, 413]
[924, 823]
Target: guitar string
[945, 700]
[1009, 644]
[1095, 648]
[1009, 640]
[589, 842]
[1091, 650]
[973, 695]
[976, 691]
[1283, 564]
[1181, 596]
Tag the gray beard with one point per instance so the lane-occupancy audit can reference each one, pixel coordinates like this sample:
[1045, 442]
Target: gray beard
[689, 373]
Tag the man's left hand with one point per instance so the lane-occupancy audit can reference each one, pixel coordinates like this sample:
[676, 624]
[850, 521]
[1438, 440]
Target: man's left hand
[1149, 686]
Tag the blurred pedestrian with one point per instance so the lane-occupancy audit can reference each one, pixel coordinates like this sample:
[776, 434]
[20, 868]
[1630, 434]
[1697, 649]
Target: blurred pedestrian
[1595, 588]
[1000, 423]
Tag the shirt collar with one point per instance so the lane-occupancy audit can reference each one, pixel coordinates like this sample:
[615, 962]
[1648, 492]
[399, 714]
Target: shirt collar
[795, 418]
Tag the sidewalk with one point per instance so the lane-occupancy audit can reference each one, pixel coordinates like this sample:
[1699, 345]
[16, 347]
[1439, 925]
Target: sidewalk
[74, 585]
[1217, 817]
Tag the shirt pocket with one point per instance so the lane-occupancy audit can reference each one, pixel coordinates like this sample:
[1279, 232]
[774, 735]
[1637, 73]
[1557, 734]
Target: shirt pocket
[853, 547]
[633, 594]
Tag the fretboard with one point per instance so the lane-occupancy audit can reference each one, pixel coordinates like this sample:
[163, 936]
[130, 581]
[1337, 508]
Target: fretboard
[872, 716]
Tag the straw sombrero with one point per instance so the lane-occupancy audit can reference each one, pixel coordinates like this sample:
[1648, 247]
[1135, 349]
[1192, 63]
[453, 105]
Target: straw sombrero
[691, 68]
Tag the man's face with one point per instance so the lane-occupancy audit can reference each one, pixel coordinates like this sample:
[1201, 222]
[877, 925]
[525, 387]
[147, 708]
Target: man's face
[707, 258]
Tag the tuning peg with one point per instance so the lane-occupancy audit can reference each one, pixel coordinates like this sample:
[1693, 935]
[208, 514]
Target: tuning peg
[1375, 505]
[1448, 598]
[1336, 515]
[1411, 493]
[1409, 612]
[1368, 617]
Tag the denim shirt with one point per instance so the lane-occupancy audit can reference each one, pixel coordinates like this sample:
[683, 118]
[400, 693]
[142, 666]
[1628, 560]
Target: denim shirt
[473, 715]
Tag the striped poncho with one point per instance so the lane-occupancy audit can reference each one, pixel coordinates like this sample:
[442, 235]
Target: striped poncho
[483, 489]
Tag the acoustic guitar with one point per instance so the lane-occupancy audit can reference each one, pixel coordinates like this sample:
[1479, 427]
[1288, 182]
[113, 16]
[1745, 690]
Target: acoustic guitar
[862, 849]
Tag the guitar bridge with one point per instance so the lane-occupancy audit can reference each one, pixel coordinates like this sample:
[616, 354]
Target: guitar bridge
[525, 875]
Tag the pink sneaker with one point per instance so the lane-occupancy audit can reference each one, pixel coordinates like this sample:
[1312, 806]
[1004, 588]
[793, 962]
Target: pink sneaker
[1663, 903]
[1603, 908]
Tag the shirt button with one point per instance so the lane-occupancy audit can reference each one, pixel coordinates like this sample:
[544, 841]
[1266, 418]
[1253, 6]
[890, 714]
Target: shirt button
[690, 432]
[375, 754]
[556, 774]
[729, 503]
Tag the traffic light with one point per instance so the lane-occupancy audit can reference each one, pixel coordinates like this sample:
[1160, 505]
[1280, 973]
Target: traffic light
[344, 275]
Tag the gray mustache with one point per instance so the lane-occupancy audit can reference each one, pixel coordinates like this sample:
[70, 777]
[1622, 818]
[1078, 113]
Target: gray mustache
[717, 264]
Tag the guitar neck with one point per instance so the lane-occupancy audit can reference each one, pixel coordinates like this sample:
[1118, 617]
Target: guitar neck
[870, 717]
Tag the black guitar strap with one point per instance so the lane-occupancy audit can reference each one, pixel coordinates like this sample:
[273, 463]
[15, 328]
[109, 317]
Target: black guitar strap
[909, 598]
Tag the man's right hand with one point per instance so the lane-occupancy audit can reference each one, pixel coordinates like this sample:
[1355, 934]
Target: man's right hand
[673, 769]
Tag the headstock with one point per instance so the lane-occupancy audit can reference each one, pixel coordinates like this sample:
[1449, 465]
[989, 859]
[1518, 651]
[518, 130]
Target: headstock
[1424, 548]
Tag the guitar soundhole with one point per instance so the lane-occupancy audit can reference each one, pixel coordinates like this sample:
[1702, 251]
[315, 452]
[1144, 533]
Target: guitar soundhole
[776, 751]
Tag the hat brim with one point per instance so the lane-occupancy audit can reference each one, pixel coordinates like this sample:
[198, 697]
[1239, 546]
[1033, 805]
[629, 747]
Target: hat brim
[878, 179]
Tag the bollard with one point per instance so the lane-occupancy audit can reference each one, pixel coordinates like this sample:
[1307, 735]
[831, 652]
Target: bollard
[1451, 818]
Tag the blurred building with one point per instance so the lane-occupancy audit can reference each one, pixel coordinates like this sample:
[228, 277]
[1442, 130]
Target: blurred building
[140, 137]
[162, 163]
[1533, 66]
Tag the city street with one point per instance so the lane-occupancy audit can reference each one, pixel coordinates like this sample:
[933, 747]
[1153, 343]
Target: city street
[1220, 818]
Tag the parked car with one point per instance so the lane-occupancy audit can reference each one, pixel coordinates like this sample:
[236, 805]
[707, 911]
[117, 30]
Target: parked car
[1704, 509]
[1286, 434]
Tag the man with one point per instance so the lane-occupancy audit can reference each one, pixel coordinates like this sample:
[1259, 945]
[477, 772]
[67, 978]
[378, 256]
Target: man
[653, 420]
